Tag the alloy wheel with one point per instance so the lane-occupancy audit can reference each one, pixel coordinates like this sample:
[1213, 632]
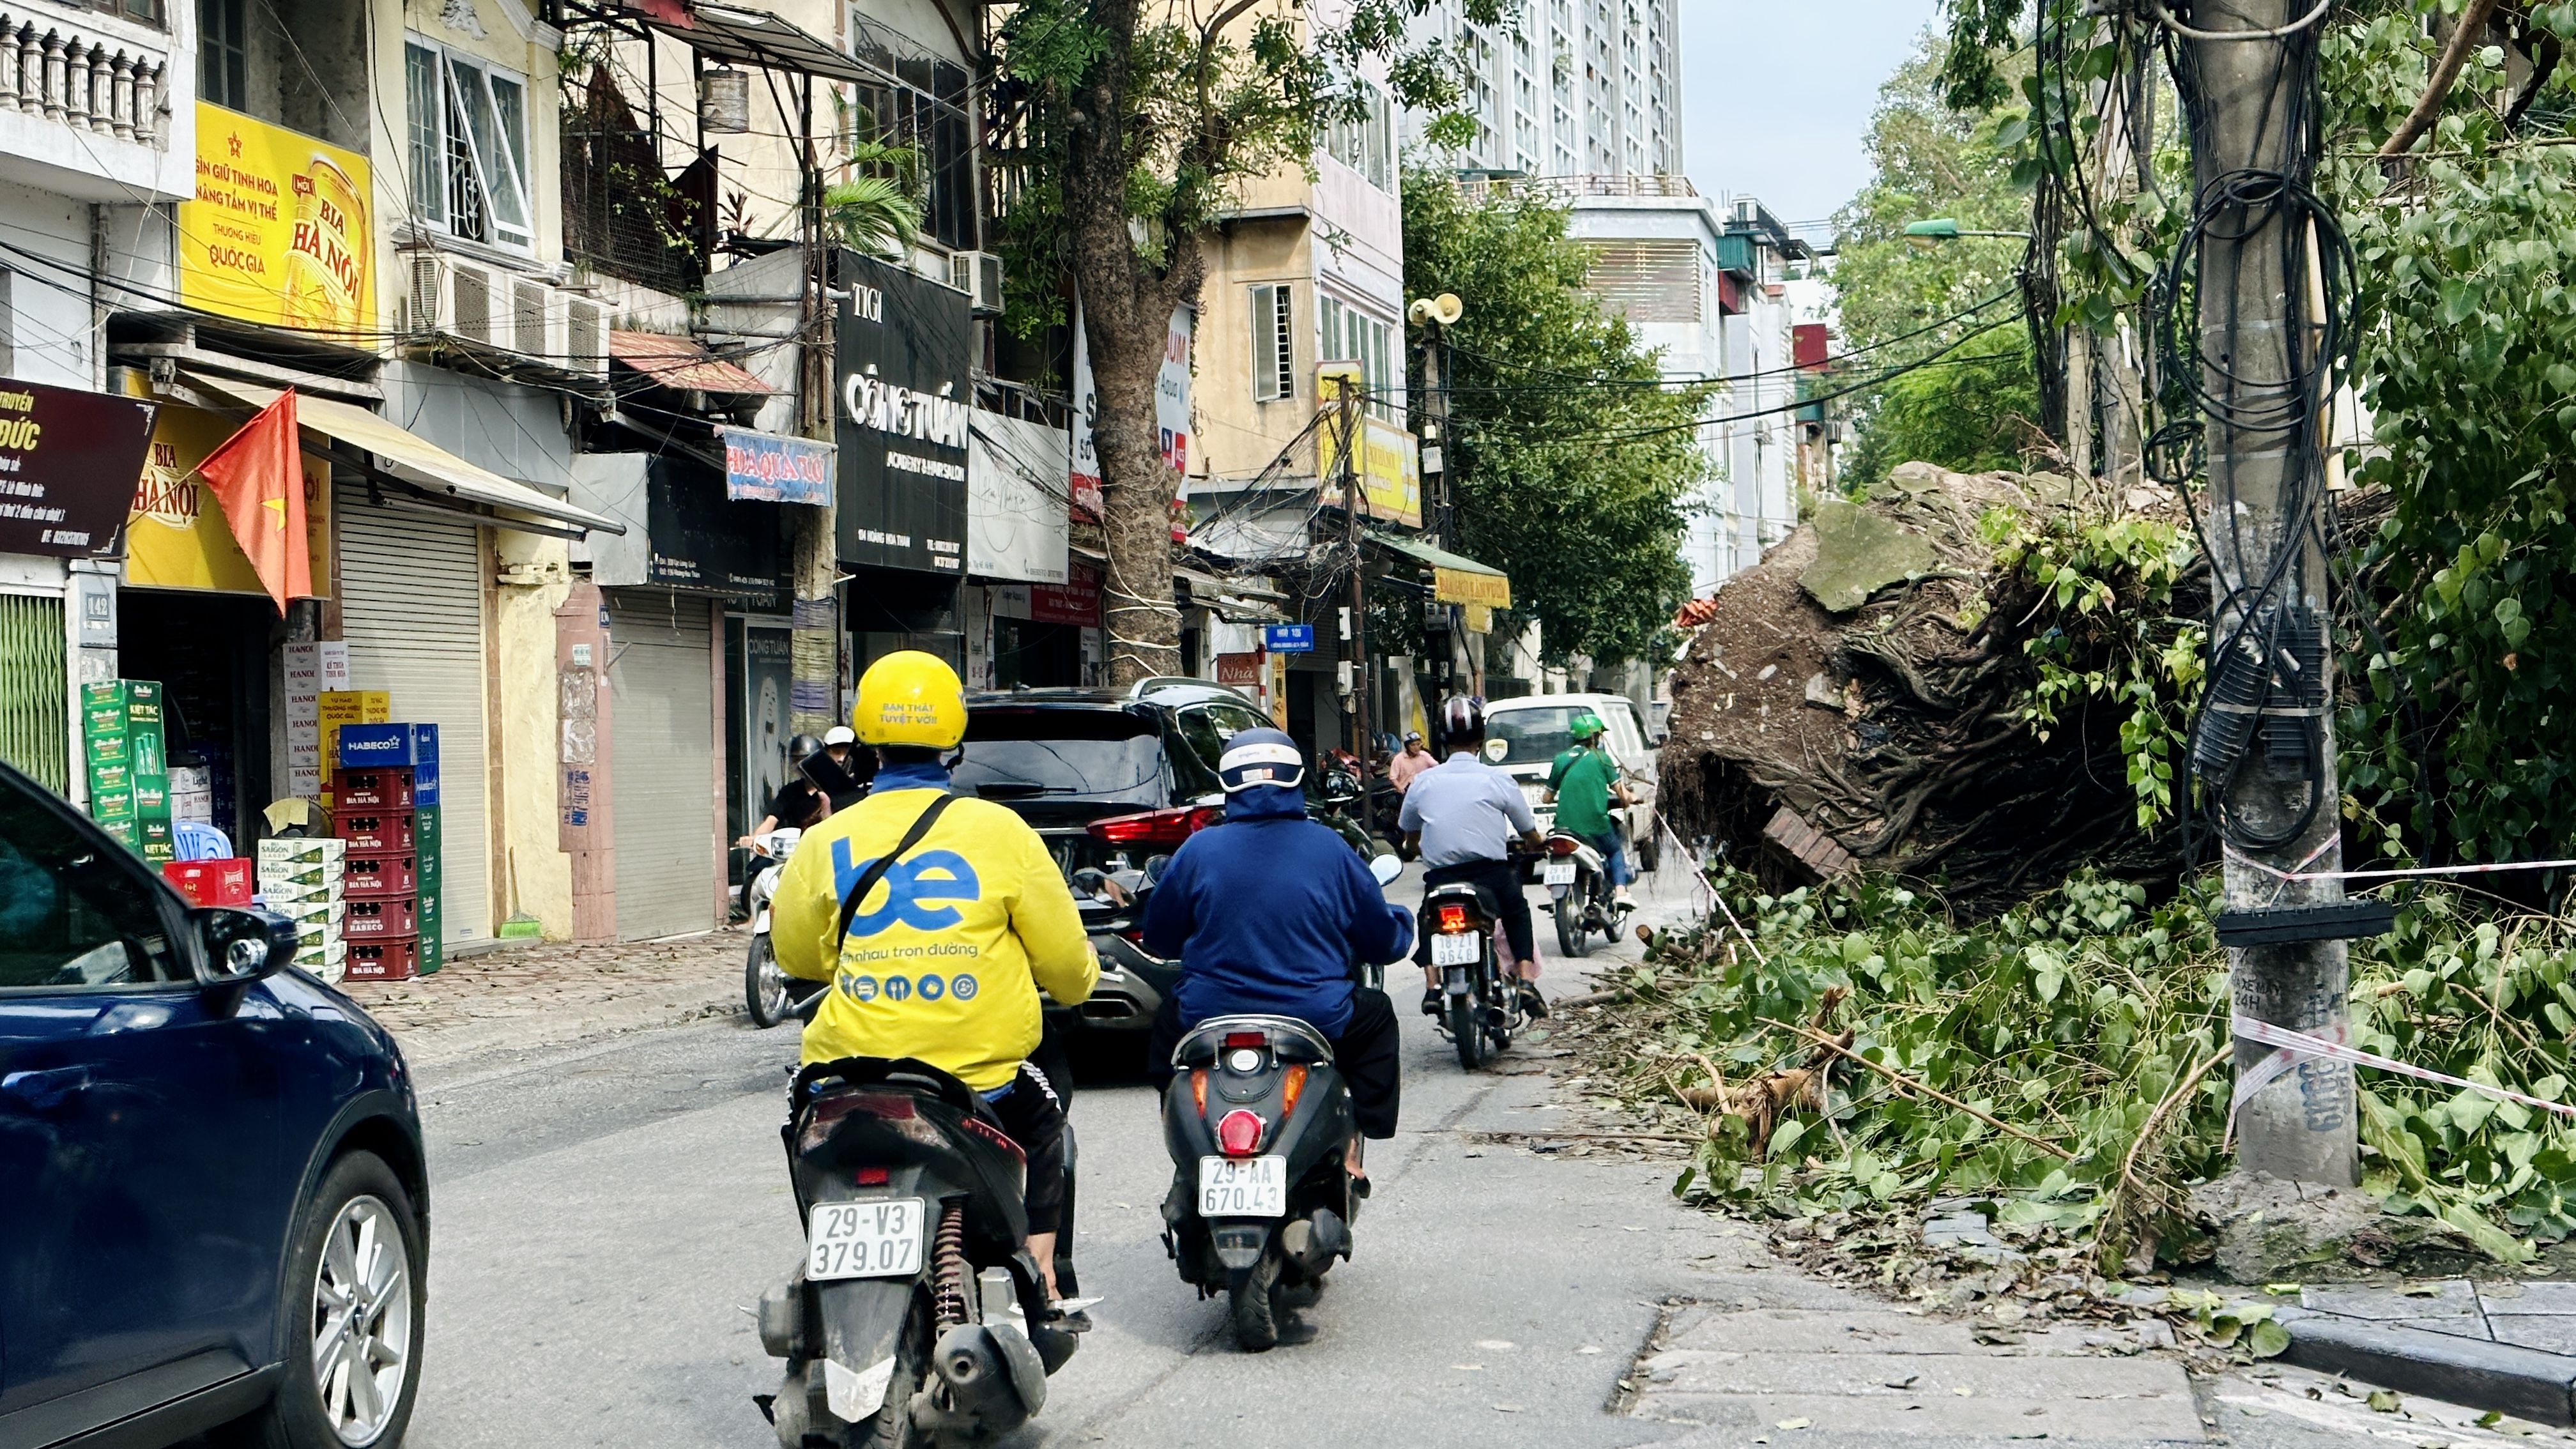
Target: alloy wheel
[362, 1320]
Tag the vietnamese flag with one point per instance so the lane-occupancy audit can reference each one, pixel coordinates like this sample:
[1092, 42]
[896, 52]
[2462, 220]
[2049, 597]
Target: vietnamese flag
[258, 476]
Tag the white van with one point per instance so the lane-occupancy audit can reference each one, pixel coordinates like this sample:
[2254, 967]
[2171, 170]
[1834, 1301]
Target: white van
[1530, 732]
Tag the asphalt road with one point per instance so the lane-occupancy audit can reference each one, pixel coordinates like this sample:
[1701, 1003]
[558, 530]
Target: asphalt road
[606, 1218]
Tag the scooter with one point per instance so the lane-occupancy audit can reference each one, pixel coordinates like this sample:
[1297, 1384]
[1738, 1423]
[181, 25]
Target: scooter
[1258, 1122]
[769, 995]
[917, 1317]
[1580, 888]
[1480, 996]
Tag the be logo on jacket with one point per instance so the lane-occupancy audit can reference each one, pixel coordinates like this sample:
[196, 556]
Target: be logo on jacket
[911, 885]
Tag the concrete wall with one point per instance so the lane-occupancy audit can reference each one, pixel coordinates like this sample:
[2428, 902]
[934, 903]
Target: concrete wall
[1238, 436]
[533, 875]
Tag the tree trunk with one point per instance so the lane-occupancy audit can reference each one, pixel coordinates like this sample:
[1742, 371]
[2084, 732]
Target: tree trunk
[1127, 297]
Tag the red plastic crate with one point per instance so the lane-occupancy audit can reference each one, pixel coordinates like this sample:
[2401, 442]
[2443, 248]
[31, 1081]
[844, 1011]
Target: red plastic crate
[372, 787]
[383, 960]
[395, 874]
[212, 882]
[374, 831]
[382, 918]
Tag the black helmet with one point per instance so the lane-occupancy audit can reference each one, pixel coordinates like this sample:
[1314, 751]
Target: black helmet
[803, 747]
[1462, 716]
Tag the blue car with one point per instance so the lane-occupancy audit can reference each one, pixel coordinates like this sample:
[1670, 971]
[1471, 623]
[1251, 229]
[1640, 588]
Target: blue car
[213, 1208]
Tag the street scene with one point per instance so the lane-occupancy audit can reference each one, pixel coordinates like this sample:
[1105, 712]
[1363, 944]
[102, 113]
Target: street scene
[897, 724]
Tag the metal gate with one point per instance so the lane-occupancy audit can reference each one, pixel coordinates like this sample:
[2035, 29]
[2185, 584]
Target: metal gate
[665, 761]
[34, 714]
[411, 603]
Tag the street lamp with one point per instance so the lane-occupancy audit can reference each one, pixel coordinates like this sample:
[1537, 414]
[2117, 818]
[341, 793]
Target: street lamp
[1925, 235]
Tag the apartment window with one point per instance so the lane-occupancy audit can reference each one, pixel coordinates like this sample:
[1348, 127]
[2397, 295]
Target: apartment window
[1351, 335]
[469, 145]
[223, 53]
[1367, 145]
[1274, 350]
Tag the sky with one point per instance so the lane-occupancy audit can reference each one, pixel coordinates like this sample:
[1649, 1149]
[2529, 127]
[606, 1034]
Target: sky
[1776, 97]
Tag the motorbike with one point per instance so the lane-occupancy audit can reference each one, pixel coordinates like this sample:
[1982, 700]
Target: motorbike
[1580, 890]
[917, 1317]
[1258, 1122]
[1481, 1000]
[770, 995]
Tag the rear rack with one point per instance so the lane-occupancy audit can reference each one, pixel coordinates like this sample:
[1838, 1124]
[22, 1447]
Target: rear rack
[1218, 1026]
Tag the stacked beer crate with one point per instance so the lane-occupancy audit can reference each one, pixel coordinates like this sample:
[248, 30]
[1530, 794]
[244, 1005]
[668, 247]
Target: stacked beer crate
[129, 775]
[384, 808]
[304, 878]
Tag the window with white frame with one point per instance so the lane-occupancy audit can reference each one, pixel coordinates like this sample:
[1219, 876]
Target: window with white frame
[1274, 345]
[469, 145]
[1367, 145]
[1351, 335]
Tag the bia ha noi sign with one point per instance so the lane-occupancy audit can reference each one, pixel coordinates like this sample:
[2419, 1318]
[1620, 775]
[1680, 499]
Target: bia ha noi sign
[278, 232]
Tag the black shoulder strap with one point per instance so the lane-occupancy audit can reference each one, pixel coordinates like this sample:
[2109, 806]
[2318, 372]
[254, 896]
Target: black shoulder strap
[876, 869]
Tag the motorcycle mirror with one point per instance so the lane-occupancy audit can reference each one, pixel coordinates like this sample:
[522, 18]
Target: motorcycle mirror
[1155, 865]
[1386, 868]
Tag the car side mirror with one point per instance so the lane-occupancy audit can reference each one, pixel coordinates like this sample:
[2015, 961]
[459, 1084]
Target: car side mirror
[241, 946]
[1386, 868]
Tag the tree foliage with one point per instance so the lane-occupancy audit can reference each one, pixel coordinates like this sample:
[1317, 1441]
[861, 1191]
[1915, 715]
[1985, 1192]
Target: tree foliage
[1575, 462]
[1929, 161]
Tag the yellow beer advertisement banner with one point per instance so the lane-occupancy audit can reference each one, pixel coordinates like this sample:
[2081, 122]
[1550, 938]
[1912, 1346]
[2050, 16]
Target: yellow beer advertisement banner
[177, 537]
[279, 231]
[1389, 465]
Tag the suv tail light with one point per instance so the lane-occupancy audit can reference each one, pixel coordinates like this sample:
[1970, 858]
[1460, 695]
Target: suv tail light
[1165, 828]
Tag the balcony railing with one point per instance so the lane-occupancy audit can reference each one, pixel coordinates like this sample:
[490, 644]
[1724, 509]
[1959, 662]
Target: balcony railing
[1479, 186]
[98, 85]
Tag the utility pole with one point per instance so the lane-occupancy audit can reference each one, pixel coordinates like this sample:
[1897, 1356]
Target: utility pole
[2265, 743]
[1352, 503]
[814, 646]
[1434, 315]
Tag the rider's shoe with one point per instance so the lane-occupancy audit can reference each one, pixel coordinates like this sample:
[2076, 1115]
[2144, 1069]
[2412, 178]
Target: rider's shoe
[1533, 1005]
[1622, 899]
[1431, 1002]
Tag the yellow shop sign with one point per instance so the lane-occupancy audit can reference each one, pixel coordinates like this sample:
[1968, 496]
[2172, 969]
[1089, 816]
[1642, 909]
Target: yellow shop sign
[177, 538]
[279, 231]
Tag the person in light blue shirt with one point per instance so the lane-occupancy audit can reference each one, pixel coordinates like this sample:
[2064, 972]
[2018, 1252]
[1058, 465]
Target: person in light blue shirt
[1462, 814]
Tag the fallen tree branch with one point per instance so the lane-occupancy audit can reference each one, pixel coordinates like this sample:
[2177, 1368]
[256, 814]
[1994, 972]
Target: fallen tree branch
[1912, 1085]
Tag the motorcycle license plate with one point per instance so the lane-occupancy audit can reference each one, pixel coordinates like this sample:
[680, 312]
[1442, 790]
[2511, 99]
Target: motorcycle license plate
[1560, 872]
[1243, 1187]
[878, 1238]
[1456, 949]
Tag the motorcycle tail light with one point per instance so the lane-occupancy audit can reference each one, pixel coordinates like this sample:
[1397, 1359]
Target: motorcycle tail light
[1562, 845]
[1198, 1091]
[873, 1177]
[1453, 918]
[1292, 1085]
[1239, 1133]
[1253, 1039]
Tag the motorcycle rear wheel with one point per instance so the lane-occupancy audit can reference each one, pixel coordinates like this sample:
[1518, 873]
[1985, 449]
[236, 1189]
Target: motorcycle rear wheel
[1570, 929]
[1253, 1307]
[1467, 1028]
[891, 1427]
[765, 996]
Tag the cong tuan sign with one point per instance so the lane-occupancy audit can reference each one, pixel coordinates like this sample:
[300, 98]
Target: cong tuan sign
[68, 461]
[904, 403]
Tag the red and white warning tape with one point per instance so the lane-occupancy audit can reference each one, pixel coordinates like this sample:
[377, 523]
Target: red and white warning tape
[2295, 1046]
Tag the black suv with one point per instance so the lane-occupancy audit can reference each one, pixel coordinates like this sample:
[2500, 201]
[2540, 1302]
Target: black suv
[1109, 780]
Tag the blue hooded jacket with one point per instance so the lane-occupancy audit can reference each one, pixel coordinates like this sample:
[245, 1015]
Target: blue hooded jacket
[1268, 911]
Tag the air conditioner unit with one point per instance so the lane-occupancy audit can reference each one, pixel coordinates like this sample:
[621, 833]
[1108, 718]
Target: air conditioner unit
[978, 275]
[510, 319]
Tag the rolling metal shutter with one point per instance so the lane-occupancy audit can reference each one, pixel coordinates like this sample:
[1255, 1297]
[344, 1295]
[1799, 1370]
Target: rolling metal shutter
[664, 760]
[33, 728]
[411, 605]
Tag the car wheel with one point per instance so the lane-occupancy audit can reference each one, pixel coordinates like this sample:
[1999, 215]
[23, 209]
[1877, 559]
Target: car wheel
[354, 1307]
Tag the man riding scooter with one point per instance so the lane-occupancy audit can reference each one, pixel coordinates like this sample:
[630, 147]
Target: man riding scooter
[1584, 783]
[1267, 913]
[1462, 816]
[970, 891]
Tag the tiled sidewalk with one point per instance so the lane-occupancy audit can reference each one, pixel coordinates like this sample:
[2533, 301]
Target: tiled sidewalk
[2525, 1315]
[547, 994]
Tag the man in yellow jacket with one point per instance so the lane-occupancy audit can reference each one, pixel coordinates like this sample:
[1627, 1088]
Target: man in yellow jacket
[943, 957]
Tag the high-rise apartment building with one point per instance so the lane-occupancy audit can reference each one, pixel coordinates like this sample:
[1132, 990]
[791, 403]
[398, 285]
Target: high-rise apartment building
[1580, 87]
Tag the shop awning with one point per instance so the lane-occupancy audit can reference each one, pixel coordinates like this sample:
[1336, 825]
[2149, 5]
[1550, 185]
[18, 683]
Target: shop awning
[413, 459]
[681, 362]
[1455, 578]
[751, 37]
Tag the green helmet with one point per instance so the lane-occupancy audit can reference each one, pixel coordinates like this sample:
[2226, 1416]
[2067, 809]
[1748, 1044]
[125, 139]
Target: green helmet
[1587, 726]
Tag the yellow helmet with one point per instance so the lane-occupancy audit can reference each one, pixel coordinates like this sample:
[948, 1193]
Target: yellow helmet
[910, 698]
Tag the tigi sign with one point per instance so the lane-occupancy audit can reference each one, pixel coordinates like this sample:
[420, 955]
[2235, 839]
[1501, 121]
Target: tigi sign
[902, 401]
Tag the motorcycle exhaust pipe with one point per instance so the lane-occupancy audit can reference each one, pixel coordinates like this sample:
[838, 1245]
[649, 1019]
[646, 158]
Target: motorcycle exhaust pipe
[1313, 1243]
[995, 1381]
